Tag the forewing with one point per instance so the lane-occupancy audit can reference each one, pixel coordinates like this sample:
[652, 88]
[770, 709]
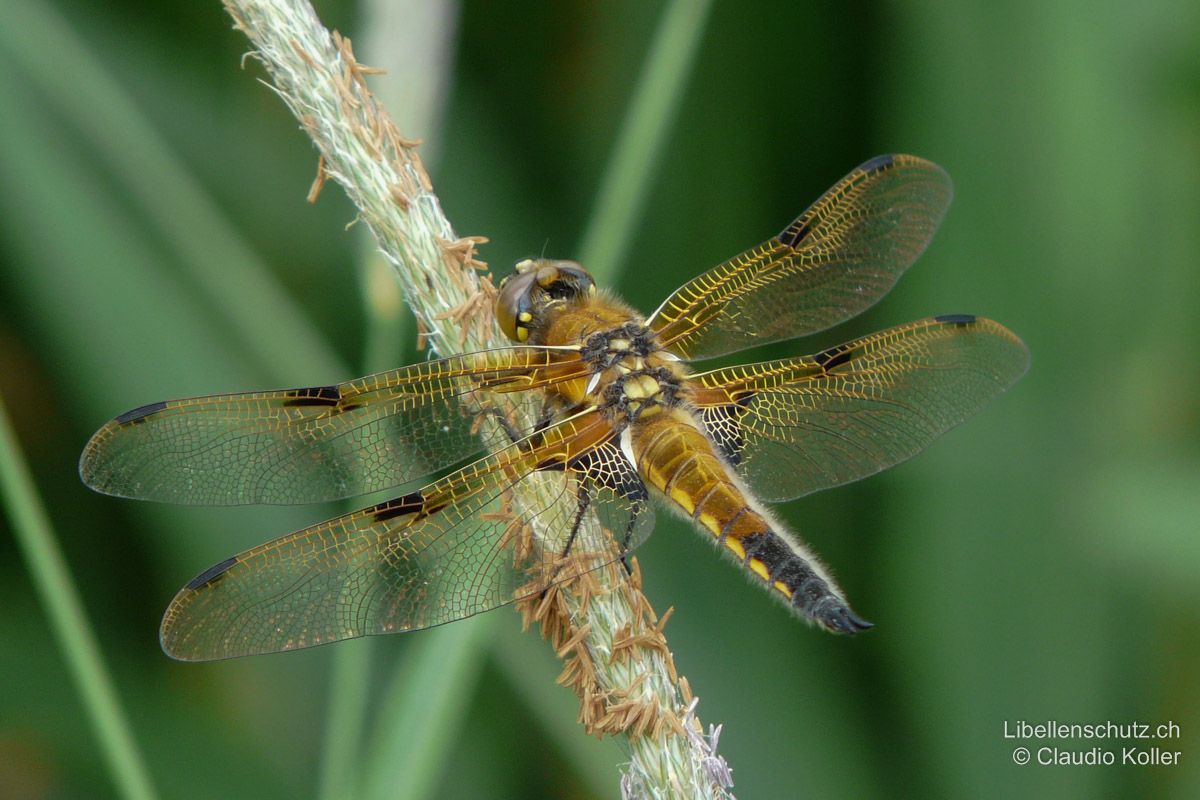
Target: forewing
[842, 254]
[799, 425]
[313, 444]
[477, 539]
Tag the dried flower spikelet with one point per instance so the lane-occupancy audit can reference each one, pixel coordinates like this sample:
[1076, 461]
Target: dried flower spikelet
[630, 709]
[626, 681]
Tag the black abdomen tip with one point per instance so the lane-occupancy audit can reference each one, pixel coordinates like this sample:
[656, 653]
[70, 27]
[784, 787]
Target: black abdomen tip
[834, 615]
[411, 503]
[833, 357]
[315, 396]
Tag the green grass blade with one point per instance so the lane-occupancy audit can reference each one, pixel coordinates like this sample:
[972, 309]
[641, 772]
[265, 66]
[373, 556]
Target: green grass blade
[349, 695]
[523, 663]
[256, 308]
[350, 675]
[422, 709]
[395, 37]
[48, 570]
[644, 130]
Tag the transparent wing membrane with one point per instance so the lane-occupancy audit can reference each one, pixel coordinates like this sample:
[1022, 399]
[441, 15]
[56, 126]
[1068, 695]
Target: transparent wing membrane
[835, 261]
[564, 498]
[457, 547]
[800, 425]
[314, 444]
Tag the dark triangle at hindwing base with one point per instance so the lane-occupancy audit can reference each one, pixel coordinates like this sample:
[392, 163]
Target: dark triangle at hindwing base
[724, 428]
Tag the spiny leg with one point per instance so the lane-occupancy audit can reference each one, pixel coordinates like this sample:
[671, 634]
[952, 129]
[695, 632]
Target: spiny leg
[506, 424]
[510, 429]
[585, 500]
[639, 506]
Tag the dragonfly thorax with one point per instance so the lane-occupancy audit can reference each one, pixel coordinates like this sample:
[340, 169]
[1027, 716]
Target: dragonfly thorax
[639, 393]
[633, 378]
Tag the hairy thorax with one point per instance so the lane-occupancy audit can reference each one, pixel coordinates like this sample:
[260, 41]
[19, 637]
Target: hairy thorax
[633, 380]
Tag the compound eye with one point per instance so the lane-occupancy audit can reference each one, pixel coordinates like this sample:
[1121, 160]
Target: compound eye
[514, 305]
[564, 280]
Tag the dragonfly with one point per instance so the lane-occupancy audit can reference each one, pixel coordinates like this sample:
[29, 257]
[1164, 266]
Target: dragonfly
[621, 418]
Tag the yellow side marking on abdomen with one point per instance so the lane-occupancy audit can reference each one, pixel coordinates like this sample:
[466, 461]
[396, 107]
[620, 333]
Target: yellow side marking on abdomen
[736, 547]
[760, 569]
[656, 478]
[684, 500]
[782, 587]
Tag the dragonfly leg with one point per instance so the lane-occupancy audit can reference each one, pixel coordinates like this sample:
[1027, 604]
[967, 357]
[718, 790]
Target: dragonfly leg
[547, 416]
[510, 429]
[639, 506]
[506, 424]
[585, 500]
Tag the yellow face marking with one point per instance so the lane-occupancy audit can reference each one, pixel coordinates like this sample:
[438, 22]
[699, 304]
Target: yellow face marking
[760, 569]
[684, 501]
[522, 334]
[525, 316]
[781, 586]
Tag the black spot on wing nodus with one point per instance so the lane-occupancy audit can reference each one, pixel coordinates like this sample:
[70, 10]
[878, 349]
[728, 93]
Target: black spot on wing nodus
[795, 233]
[799, 230]
[213, 573]
[316, 396]
[141, 412]
[956, 319]
[413, 503]
[828, 359]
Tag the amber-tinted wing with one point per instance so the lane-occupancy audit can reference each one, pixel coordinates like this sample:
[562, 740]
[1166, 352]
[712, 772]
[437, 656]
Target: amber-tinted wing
[843, 254]
[313, 444]
[453, 549]
[803, 424]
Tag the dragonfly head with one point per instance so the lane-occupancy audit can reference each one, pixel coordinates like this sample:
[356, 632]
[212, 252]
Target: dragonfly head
[534, 286]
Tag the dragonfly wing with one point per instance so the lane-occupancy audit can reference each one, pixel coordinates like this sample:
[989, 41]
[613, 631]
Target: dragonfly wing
[800, 425]
[313, 444]
[835, 261]
[455, 548]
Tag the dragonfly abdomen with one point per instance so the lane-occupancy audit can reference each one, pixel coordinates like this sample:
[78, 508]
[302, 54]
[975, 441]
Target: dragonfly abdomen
[679, 461]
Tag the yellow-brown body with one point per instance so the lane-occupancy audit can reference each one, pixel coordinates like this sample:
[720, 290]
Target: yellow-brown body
[642, 391]
[622, 416]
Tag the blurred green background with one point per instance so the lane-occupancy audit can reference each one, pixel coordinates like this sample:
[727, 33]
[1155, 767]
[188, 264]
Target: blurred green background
[1039, 563]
